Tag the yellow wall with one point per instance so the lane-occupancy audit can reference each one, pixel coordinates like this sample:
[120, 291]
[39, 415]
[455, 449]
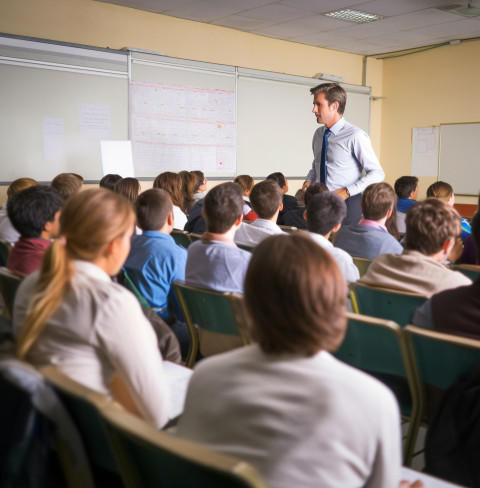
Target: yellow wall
[430, 88]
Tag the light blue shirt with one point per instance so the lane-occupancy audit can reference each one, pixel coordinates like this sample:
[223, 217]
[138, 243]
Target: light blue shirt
[351, 161]
[217, 266]
[154, 262]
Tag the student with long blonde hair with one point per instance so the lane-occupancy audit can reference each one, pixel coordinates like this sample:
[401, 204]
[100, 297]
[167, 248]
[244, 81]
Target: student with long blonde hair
[72, 315]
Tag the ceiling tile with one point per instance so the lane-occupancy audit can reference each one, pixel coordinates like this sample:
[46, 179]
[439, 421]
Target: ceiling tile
[243, 23]
[321, 6]
[458, 28]
[396, 7]
[202, 10]
[276, 12]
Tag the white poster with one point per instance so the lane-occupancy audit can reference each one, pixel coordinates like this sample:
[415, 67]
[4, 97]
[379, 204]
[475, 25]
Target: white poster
[52, 139]
[117, 158]
[182, 128]
[425, 151]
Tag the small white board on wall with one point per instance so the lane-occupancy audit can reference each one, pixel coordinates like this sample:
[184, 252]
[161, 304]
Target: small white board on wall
[425, 151]
[459, 157]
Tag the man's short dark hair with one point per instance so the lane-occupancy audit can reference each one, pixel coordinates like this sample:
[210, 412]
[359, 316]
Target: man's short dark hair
[266, 197]
[377, 200]
[429, 224]
[222, 206]
[66, 184]
[108, 181]
[405, 185]
[324, 212]
[314, 189]
[279, 178]
[333, 93]
[152, 208]
[30, 209]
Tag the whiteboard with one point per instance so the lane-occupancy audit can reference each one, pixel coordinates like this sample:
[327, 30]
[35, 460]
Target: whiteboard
[459, 157]
[57, 103]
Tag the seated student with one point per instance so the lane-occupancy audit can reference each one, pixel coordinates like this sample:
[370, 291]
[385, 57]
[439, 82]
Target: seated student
[324, 216]
[8, 232]
[67, 184]
[188, 189]
[432, 228]
[406, 188]
[200, 188]
[215, 262]
[35, 213]
[443, 191]
[108, 181]
[72, 315]
[295, 217]
[129, 188]
[370, 236]
[172, 183]
[289, 202]
[246, 182]
[266, 198]
[156, 261]
[285, 405]
[455, 311]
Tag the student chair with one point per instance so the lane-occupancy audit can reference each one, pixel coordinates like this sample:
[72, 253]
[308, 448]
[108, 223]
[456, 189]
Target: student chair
[4, 252]
[245, 247]
[362, 264]
[210, 320]
[84, 404]
[472, 271]
[384, 303]
[9, 283]
[288, 228]
[130, 285]
[378, 347]
[181, 237]
[440, 359]
[195, 237]
[149, 457]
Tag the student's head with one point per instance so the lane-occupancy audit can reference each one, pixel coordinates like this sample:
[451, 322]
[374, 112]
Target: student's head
[172, 183]
[266, 198]
[280, 179]
[246, 182]
[222, 206]
[188, 185]
[378, 200]
[35, 210]
[295, 296]
[200, 181]
[429, 225]
[19, 185]
[333, 93]
[108, 181]
[443, 191]
[325, 212]
[407, 187]
[314, 189]
[128, 187]
[95, 226]
[66, 184]
[153, 207]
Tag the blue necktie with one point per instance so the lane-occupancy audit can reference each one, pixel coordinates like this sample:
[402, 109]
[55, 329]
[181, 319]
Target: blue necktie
[323, 159]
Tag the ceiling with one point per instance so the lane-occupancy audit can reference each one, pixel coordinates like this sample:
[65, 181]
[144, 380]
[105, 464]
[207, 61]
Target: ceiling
[406, 24]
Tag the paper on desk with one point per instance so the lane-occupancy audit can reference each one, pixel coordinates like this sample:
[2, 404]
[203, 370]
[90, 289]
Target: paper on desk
[178, 378]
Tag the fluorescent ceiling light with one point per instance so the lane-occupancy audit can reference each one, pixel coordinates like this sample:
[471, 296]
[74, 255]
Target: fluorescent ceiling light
[356, 16]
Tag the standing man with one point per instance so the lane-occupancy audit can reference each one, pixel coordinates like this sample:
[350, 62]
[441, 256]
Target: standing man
[343, 155]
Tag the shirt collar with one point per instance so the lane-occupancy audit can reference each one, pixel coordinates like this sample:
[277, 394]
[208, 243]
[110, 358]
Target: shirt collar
[155, 233]
[337, 126]
[372, 223]
[91, 270]
[319, 239]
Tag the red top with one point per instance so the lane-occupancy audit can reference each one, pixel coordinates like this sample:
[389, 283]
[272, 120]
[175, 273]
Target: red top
[27, 254]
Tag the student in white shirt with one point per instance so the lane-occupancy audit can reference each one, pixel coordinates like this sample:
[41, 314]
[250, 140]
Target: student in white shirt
[172, 183]
[70, 314]
[266, 198]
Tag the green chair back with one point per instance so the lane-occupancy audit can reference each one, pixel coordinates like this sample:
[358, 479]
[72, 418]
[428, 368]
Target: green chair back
[181, 237]
[469, 270]
[378, 347]
[83, 405]
[195, 237]
[4, 252]
[9, 284]
[207, 309]
[362, 264]
[130, 285]
[384, 303]
[148, 457]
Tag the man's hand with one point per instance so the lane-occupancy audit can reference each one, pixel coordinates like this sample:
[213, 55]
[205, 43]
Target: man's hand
[343, 193]
[408, 484]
